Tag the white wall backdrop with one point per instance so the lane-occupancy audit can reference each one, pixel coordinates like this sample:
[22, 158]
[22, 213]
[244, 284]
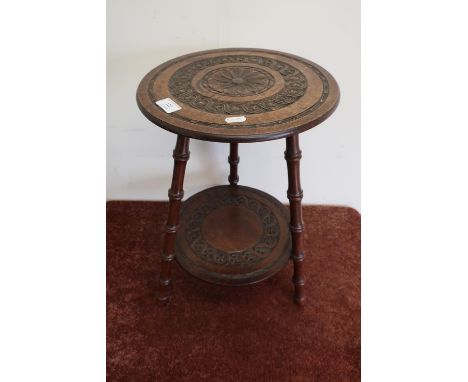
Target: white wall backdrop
[142, 34]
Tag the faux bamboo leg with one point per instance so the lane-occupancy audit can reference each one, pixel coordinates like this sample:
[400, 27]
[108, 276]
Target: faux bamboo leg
[181, 155]
[233, 160]
[293, 156]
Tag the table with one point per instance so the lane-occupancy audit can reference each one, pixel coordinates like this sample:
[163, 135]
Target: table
[231, 234]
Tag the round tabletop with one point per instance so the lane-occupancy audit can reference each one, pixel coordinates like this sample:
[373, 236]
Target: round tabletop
[238, 95]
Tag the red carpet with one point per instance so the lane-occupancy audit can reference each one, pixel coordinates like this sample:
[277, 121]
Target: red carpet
[214, 333]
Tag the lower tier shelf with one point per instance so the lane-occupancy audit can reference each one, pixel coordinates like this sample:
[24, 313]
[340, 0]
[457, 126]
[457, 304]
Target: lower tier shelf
[233, 235]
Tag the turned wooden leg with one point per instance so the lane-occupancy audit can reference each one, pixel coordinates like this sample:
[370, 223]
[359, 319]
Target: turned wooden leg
[293, 156]
[181, 155]
[233, 160]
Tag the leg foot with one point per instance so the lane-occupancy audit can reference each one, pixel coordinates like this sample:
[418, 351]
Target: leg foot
[298, 281]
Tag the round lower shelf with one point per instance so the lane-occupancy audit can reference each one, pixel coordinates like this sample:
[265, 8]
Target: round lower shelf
[233, 235]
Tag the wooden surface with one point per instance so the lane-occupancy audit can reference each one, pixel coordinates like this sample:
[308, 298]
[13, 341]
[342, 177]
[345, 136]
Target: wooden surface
[279, 94]
[233, 235]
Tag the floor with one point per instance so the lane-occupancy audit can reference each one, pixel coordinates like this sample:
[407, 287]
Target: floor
[214, 333]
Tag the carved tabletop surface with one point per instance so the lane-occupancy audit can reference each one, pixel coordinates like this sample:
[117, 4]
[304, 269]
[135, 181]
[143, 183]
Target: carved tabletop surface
[278, 94]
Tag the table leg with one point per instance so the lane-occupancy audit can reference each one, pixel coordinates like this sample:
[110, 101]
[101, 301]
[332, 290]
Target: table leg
[293, 156]
[233, 160]
[181, 155]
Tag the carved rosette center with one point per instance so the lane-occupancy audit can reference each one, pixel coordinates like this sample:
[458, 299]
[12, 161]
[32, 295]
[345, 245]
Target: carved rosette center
[237, 81]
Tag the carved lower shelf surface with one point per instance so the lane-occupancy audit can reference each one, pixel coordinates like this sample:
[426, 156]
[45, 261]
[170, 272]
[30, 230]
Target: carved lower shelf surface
[233, 235]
